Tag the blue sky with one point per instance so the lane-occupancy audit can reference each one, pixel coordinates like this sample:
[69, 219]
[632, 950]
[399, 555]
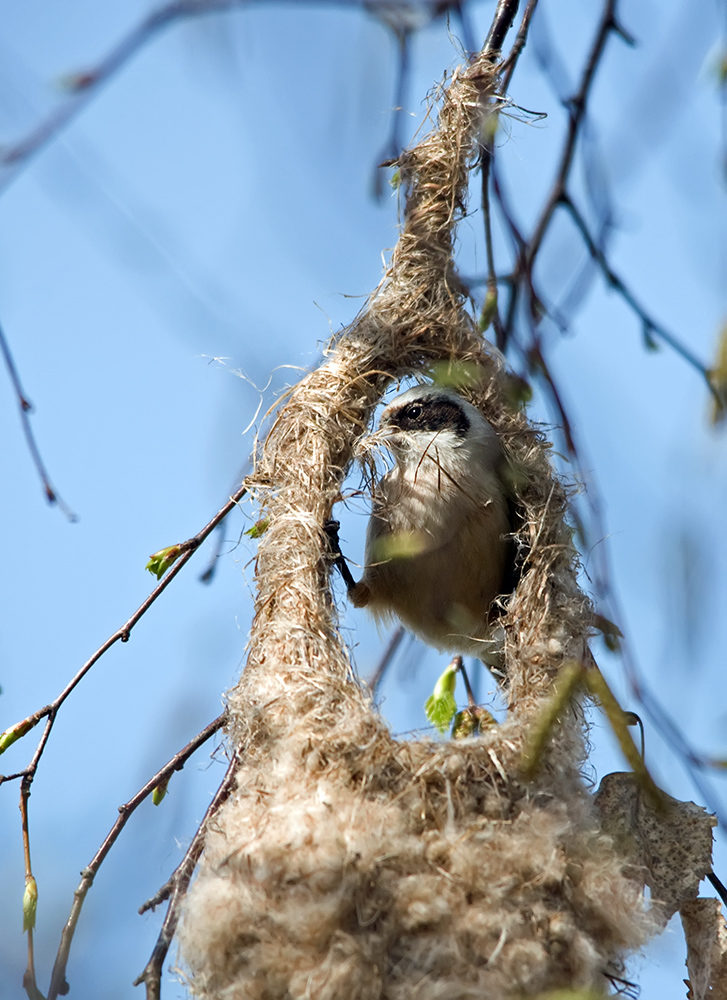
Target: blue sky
[209, 215]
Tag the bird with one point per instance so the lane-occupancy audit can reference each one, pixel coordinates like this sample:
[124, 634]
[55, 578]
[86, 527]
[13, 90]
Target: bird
[439, 538]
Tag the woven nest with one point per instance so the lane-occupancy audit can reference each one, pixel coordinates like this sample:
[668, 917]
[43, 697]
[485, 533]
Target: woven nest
[350, 865]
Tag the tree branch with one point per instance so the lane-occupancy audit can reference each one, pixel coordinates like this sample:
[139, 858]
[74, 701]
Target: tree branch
[30, 896]
[650, 325]
[177, 885]
[388, 655]
[122, 634]
[59, 985]
[576, 113]
[26, 407]
[508, 66]
[85, 85]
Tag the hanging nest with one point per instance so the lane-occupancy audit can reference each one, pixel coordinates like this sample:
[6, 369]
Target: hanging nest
[350, 865]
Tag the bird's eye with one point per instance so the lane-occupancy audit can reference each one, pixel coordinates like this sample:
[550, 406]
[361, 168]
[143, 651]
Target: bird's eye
[414, 411]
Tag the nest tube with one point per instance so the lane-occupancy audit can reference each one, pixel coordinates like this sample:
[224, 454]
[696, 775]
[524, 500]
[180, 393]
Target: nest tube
[348, 864]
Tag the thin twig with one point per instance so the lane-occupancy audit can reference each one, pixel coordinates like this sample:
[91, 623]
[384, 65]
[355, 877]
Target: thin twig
[650, 325]
[491, 302]
[29, 981]
[576, 113]
[388, 655]
[527, 250]
[393, 146]
[522, 287]
[177, 886]
[85, 85]
[26, 408]
[718, 886]
[509, 64]
[59, 984]
[501, 23]
[122, 634]
[471, 700]
[207, 575]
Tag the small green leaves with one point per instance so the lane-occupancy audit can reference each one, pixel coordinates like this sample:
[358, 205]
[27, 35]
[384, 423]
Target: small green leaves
[440, 706]
[160, 562]
[569, 679]
[471, 722]
[456, 374]
[402, 545]
[619, 720]
[718, 379]
[259, 528]
[488, 127]
[395, 180]
[160, 791]
[489, 308]
[30, 903]
[16, 732]
[517, 391]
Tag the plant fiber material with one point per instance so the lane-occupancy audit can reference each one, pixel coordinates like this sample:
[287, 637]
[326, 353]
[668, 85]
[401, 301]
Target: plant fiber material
[350, 866]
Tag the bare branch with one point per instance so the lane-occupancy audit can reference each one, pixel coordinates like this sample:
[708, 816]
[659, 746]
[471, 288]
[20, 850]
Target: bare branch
[576, 113]
[388, 655]
[508, 66]
[177, 885]
[501, 24]
[59, 984]
[26, 407]
[650, 325]
[85, 85]
[122, 634]
[29, 981]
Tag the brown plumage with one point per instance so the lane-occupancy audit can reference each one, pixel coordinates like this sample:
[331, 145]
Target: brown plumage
[437, 546]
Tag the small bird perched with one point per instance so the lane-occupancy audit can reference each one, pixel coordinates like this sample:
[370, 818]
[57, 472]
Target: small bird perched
[438, 546]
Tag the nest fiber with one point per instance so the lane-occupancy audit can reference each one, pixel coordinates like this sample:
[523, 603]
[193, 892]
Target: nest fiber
[347, 865]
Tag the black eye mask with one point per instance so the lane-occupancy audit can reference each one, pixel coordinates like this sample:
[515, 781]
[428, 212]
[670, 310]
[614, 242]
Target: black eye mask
[438, 414]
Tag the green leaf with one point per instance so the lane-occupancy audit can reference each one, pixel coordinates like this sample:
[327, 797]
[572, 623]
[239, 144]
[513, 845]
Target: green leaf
[440, 706]
[30, 903]
[157, 796]
[598, 686]
[517, 391]
[402, 545]
[456, 374]
[718, 379]
[488, 128]
[160, 562]
[15, 733]
[259, 528]
[489, 308]
[563, 690]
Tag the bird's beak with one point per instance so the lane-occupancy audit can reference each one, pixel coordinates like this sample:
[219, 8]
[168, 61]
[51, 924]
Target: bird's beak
[384, 438]
[389, 437]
